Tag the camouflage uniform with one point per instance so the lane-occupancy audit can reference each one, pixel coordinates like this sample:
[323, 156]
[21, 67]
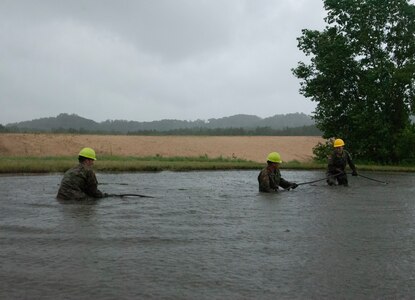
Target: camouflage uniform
[337, 165]
[269, 181]
[79, 183]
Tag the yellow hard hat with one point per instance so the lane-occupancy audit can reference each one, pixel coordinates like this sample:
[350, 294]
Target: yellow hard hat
[338, 143]
[274, 157]
[88, 153]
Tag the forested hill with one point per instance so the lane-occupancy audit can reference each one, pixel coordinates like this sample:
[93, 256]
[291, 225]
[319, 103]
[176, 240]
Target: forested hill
[244, 124]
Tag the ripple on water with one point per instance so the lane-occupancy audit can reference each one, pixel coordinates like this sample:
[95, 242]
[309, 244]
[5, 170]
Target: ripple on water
[208, 235]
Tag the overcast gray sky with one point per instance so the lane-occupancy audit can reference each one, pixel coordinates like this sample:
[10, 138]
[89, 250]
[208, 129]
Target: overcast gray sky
[146, 60]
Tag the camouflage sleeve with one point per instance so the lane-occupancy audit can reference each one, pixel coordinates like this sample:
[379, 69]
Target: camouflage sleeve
[284, 183]
[92, 185]
[281, 181]
[264, 183]
[350, 162]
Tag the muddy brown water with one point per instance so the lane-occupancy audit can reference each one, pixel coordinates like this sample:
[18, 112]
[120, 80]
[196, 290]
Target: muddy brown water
[209, 235]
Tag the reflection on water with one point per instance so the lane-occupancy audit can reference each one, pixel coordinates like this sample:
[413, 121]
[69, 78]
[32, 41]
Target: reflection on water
[209, 235]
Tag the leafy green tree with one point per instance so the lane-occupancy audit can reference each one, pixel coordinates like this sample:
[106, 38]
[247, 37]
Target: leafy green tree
[361, 73]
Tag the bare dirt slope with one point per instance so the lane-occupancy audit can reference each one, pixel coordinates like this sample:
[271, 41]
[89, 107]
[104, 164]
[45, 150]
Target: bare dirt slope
[254, 148]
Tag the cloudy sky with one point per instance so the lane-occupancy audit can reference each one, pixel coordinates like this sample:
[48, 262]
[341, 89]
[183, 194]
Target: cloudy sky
[146, 60]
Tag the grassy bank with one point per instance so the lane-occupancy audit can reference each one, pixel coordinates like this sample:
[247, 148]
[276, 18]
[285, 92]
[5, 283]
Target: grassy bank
[22, 165]
[123, 164]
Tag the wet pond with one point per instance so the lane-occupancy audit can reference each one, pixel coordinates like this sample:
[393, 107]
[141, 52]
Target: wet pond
[209, 235]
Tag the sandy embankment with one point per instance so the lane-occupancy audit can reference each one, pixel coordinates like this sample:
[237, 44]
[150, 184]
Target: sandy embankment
[253, 148]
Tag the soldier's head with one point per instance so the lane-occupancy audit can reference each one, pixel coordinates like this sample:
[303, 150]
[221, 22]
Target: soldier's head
[338, 145]
[87, 155]
[274, 159]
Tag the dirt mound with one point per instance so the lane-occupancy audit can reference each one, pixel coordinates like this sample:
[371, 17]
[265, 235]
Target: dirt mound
[254, 148]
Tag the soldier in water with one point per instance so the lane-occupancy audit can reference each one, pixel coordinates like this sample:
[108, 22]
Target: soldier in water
[337, 163]
[80, 183]
[270, 179]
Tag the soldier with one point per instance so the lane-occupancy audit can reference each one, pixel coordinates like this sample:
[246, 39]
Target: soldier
[79, 183]
[337, 165]
[269, 178]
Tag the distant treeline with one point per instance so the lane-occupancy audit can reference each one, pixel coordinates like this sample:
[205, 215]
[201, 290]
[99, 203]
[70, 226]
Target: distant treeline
[71, 122]
[290, 124]
[265, 131]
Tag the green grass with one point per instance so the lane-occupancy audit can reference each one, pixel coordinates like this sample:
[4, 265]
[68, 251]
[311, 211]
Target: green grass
[160, 163]
[123, 164]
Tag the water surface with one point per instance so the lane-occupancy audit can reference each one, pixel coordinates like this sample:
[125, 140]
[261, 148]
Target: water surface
[209, 235]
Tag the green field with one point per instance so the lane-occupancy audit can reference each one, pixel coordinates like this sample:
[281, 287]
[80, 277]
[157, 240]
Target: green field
[123, 164]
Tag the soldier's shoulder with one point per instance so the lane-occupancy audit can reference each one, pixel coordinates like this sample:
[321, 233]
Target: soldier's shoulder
[263, 171]
[346, 153]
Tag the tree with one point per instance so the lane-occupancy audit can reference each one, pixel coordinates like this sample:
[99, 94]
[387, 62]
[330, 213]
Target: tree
[361, 73]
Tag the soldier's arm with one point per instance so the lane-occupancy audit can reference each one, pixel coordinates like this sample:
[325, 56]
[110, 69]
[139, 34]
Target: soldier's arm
[350, 162]
[285, 184]
[92, 186]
